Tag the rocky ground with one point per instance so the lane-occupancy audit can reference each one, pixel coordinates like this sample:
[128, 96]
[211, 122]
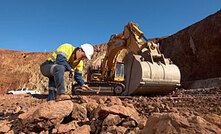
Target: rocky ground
[184, 111]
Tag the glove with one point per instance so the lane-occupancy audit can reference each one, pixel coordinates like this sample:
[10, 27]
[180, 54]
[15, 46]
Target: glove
[71, 74]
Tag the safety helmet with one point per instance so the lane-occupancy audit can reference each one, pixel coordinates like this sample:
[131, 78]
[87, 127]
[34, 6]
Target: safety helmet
[88, 49]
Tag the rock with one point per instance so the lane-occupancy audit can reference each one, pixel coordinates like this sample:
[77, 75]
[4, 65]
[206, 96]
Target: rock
[64, 128]
[101, 101]
[162, 106]
[79, 112]
[114, 130]
[168, 123]
[46, 115]
[54, 131]
[111, 120]
[173, 109]
[134, 131]
[137, 130]
[150, 108]
[129, 124]
[157, 110]
[142, 123]
[44, 132]
[86, 99]
[213, 118]
[85, 129]
[91, 106]
[219, 109]
[167, 108]
[103, 111]
[11, 132]
[157, 104]
[205, 127]
[4, 127]
[128, 105]
[96, 125]
[115, 101]
[17, 110]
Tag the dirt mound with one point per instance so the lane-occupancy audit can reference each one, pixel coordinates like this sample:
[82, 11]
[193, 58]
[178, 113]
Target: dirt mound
[22, 69]
[7, 51]
[196, 50]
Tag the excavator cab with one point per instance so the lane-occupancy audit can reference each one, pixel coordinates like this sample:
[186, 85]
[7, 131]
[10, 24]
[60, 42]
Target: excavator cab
[119, 72]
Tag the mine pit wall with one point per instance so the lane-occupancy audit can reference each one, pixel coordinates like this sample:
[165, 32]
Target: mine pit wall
[196, 50]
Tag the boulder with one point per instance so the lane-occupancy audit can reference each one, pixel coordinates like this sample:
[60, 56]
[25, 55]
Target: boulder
[111, 120]
[168, 123]
[79, 112]
[46, 115]
[103, 111]
[64, 128]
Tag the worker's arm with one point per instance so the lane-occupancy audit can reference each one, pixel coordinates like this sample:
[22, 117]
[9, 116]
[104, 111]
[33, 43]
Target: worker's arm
[78, 77]
[61, 60]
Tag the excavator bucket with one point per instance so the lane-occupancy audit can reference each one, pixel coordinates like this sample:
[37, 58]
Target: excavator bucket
[145, 77]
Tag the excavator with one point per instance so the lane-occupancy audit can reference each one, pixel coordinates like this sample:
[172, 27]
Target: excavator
[132, 66]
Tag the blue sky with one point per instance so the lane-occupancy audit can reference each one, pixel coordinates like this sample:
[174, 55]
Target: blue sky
[43, 25]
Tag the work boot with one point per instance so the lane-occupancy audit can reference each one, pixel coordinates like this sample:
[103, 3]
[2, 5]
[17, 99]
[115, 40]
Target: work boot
[51, 95]
[61, 97]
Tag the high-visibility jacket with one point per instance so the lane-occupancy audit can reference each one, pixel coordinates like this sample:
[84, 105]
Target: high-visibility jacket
[67, 51]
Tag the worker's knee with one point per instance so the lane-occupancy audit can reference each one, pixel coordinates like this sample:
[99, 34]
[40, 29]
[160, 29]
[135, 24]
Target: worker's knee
[59, 69]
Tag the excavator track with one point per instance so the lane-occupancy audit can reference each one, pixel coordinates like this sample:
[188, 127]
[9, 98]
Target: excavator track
[99, 87]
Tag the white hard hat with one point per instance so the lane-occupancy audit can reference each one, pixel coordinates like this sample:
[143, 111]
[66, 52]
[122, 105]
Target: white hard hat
[88, 49]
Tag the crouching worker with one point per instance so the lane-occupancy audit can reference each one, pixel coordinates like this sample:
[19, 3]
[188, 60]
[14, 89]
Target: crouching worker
[65, 58]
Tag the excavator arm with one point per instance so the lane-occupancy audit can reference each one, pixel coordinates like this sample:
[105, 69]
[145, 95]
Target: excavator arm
[130, 40]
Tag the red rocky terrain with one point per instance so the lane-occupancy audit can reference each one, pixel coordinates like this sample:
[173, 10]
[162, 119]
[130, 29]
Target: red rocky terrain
[196, 108]
[184, 111]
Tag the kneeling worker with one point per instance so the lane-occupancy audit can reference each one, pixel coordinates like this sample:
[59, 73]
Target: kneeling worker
[65, 58]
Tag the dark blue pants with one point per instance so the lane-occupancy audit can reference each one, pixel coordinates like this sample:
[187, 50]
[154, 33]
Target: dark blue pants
[55, 73]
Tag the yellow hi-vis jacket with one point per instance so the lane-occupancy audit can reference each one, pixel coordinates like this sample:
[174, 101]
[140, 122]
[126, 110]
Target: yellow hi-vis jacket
[67, 51]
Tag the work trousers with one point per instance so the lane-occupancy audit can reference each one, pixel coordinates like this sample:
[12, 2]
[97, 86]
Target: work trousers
[55, 73]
